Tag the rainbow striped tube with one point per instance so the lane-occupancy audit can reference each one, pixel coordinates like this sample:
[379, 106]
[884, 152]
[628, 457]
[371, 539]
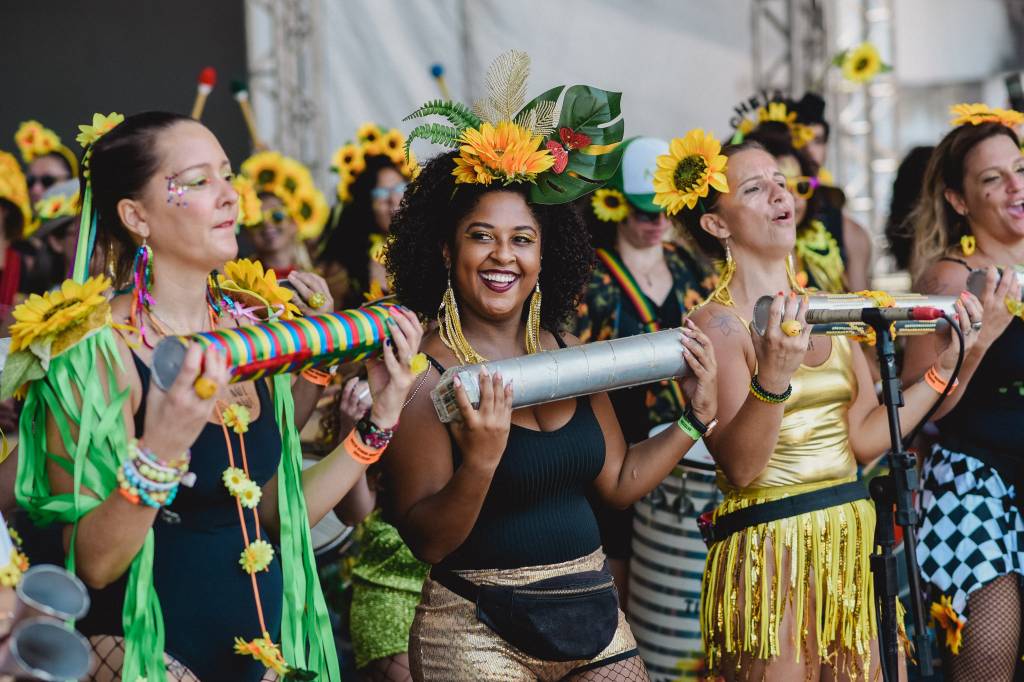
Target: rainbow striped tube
[282, 347]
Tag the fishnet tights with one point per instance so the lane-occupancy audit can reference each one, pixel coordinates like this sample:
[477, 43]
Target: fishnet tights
[388, 669]
[109, 659]
[991, 637]
[629, 670]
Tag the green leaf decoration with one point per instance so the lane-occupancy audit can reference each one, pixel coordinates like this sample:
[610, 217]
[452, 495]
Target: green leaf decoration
[436, 133]
[458, 114]
[596, 113]
[506, 87]
[21, 367]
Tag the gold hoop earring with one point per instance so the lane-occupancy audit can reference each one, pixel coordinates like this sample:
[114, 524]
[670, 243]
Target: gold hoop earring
[533, 321]
[450, 328]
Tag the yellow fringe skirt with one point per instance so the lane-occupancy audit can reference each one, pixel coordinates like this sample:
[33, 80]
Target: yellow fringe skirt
[817, 563]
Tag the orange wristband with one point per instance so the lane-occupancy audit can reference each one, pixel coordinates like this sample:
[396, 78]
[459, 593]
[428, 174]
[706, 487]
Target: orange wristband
[315, 376]
[937, 382]
[358, 451]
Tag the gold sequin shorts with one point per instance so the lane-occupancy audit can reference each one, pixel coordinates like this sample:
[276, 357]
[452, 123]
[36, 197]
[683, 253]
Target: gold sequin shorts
[448, 644]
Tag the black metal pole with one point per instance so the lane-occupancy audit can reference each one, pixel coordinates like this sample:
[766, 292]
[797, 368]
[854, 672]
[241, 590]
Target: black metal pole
[895, 491]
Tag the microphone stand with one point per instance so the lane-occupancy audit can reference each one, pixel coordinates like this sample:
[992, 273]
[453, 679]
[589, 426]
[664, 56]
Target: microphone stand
[894, 491]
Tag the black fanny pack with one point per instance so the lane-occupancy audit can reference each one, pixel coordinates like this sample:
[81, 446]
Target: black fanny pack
[565, 618]
[741, 519]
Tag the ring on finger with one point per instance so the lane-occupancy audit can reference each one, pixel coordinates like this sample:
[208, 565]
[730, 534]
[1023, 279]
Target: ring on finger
[976, 326]
[205, 388]
[317, 301]
[791, 328]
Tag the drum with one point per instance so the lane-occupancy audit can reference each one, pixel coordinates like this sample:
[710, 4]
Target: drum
[667, 567]
[330, 535]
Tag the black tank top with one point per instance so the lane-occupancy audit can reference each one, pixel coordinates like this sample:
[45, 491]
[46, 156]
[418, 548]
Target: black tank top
[205, 596]
[986, 422]
[536, 510]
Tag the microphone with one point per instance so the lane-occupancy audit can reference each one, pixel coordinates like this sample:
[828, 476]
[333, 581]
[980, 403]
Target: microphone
[852, 314]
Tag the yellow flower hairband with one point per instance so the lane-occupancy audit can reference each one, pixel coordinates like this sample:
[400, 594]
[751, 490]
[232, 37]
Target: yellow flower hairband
[89, 134]
[977, 113]
[35, 140]
[349, 160]
[778, 112]
[687, 173]
[292, 183]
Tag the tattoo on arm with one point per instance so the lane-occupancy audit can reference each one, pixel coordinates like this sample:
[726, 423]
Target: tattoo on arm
[726, 324]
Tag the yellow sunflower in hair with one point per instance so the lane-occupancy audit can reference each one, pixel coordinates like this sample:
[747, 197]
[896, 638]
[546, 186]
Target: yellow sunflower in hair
[310, 210]
[862, 63]
[264, 168]
[686, 174]
[976, 114]
[350, 159]
[370, 137]
[507, 152]
[609, 205]
[343, 189]
[392, 143]
[294, 176]
[250, 209]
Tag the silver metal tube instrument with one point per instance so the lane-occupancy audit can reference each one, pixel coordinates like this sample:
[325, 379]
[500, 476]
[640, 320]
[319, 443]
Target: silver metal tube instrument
[854, 303]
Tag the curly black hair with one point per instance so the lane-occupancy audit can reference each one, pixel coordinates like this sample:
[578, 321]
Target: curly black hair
[432, 207]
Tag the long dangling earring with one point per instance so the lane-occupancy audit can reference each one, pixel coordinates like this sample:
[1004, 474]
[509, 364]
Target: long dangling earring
[725, 272]
[450, 328]
[533, 321]
[142, 285]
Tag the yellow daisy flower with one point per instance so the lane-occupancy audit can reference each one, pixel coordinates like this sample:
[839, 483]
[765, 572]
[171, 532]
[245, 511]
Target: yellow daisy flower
[256, 556]
[235, 480]
[60, 311]
[609, 205]
[861, 63]
[949, 620]
[10, 575]
[101, 125]
[250, 209]
[236, 417]
[976, 114]
[250, 495]
[506, 152]
[349, 158]
[246, 279]
[264, 651]
[686, 174]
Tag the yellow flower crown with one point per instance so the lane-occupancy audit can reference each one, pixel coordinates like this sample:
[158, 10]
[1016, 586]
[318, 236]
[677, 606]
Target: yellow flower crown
[292, 183]
[35, 140]
[687, 173]
[977, 113]
[14, 189]
[778, 112]
[89, 134]
[349, 160]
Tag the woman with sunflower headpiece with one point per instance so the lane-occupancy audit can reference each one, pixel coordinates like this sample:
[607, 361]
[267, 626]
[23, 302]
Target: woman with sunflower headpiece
[971, 543]
[487, 244]
[785, 596]
[641, 282]
[373, 173]
[185, 510]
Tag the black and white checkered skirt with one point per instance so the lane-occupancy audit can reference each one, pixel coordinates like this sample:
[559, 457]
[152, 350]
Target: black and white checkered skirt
[972, 532]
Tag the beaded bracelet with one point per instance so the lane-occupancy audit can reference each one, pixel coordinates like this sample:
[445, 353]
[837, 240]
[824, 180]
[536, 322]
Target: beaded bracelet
[358, 451]
[374, 436]
[767, 396]
[938, 384]
[144, 479]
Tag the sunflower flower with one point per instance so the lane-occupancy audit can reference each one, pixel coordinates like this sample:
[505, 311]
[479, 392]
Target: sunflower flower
[263, 650]
[35, 140]
[609, 205]
[393, 141]
[343, 190]
[976, 114]
[247, 279]
[250, 495]
[101, 125]
[264, 168]
[309, 209]
[58, 315]
[943, 613]
[686, 174]
[57, 207]
[506, 152]
[256, 556]
[862, 63]
[235, 480]
[236, 417]
[250, 209]
[370, 137]
[349, 158]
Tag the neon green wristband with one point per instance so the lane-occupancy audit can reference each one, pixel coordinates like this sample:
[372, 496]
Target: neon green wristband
[688, 428]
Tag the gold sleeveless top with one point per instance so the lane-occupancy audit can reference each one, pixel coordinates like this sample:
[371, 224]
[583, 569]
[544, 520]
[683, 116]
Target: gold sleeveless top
[814, 439]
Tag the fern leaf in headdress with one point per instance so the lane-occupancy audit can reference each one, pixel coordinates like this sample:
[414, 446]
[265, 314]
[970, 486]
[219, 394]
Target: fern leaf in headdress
[506, 87]
[435, 133]
[458, 114]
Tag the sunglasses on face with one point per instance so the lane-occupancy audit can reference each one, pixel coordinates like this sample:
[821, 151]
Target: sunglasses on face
[646, 216]
[275, 217]
[379, 193]
[47, 181]
[803, 186]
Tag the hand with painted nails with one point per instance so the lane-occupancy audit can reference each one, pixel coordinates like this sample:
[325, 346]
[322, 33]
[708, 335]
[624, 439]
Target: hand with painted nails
[390, 377]
[700, 386]
[482, 433]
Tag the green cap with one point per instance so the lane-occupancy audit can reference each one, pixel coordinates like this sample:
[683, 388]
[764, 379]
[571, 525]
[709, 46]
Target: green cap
[635, 175]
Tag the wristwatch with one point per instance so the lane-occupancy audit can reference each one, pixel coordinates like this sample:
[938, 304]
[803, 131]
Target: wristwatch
[702, 428]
